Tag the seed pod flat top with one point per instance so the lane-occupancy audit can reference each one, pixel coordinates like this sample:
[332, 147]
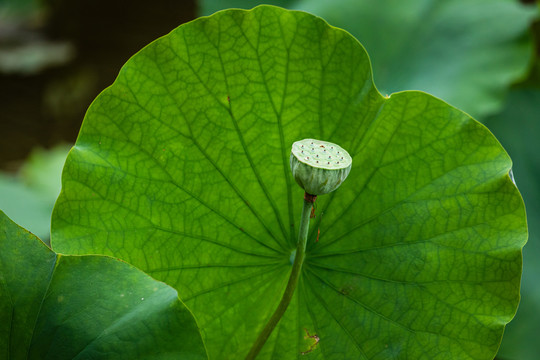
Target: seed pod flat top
[321, 154]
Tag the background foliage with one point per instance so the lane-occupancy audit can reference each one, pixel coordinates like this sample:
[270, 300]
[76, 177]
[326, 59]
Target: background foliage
[29, 195]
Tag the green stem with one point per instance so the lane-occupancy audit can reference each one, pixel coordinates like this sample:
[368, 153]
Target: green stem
[293, 279]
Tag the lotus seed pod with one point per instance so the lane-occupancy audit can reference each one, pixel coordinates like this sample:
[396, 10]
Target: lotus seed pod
[319, 167]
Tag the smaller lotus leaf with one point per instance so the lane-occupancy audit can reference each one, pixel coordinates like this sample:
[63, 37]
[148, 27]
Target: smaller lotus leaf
[57, 307]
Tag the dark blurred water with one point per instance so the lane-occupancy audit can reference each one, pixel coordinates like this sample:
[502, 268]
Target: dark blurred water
[45, 107]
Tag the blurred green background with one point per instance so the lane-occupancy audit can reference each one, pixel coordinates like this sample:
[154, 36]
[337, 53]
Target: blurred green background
[481, 56]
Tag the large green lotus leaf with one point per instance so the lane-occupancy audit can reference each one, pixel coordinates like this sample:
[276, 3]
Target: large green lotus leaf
[518, 127]
[182, 168]
[467, 52]
[54, 306]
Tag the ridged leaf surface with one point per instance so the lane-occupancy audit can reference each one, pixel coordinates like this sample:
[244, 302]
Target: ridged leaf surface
[182, 169]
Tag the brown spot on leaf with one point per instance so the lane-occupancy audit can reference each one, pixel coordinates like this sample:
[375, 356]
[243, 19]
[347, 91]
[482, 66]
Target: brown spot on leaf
[312, 347]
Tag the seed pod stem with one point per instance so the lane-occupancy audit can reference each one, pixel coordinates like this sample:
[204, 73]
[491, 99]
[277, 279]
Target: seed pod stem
[293, 278]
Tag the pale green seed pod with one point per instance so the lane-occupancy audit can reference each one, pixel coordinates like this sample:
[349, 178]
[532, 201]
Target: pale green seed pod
[319, 167]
